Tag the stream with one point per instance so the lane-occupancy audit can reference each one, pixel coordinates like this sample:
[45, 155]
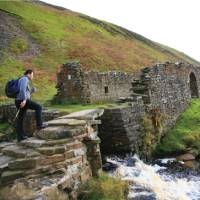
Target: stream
[155, 181]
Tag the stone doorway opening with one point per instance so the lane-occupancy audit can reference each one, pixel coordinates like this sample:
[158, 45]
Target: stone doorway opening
[193, 86]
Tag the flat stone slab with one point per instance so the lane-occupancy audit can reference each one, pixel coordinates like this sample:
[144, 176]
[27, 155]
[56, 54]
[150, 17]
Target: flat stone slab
[54, 132]
[33, 142]
[90, 114]
[66, 122]
[24, 163]
[60, 132]
[19, 152]
[52, 150]
[11, 175]
[5, 144]
[58, 142]
[4, 160]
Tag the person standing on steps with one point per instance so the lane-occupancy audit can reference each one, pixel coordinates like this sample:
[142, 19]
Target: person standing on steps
[23, 102]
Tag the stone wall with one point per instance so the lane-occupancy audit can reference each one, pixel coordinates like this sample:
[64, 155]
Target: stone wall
[168, 87]
[74, 84]
[53, 164]
[8, 113]
[71, 84]
[120, 130]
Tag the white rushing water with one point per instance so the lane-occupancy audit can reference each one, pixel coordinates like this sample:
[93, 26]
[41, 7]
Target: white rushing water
[145, 180]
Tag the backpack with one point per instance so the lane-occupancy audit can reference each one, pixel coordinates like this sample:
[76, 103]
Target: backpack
[12, 88]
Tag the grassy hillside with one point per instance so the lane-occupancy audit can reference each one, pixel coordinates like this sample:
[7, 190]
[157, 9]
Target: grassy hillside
[43, 37]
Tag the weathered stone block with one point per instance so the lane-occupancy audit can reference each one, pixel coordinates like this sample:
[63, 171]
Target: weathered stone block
[65, 183]
[4, 160]
[56, 132]
[86, 174]
[27, 163]
[19, 152]
[80, 151]
[52, 150]
[66, 122]
[58, 142]
[69, 154]
[90, 114]
[5, 144]
[8, 176]
[33, 142]
[73, 145]
[51, 159]
[75, 160]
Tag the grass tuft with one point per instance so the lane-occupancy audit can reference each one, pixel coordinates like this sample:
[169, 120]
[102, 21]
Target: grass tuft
[105, 188]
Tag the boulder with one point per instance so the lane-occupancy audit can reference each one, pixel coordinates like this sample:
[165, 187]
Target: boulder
[185, 157]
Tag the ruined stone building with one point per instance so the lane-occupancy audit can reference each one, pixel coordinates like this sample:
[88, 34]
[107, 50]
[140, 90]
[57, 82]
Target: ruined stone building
[75, 84]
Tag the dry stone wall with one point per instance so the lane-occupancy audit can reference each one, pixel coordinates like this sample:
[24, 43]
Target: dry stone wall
[8, 113]
[74, 84]
[168, 87]
[120, 130]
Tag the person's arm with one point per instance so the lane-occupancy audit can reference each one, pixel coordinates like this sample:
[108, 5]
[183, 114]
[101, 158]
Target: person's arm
[22, 90]
[33, 90]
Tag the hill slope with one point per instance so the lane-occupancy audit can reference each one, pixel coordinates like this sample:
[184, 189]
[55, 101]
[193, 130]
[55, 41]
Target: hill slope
[41, 36]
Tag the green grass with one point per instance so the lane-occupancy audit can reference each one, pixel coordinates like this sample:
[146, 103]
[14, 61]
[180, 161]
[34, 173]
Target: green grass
[105, 188]
[4, 126]
[18, 46]
[185, 136]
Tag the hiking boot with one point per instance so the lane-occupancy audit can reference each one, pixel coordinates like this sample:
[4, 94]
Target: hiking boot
[42, 126]
[22, 138]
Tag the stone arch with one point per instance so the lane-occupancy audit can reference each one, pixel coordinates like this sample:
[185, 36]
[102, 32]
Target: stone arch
[193, 85]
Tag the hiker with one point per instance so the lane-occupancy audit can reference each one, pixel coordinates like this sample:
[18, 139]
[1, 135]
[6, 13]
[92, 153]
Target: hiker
[23, 102]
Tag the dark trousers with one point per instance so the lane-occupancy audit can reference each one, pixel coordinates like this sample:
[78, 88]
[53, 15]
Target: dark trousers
[20, 119]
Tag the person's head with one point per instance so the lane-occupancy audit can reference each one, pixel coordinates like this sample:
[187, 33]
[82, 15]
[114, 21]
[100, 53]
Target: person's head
[29, 73]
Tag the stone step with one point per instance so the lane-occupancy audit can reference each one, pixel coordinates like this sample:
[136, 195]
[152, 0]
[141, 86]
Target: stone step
[53, 132]
[60, 132]
[4, 161]
[5, 144]
[90, 114]
[24, 163]
[66, 122]
[9, 176]
[51, 150]
[33, 142]
[58, 142]
[49, 160]
[18, 151]
[36, 143]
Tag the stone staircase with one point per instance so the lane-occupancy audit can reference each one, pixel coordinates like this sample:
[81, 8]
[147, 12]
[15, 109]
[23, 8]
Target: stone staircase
[55, 162]
[140, 87]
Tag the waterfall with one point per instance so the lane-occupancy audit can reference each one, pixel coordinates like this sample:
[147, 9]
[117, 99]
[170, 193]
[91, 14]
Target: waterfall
[145, 182]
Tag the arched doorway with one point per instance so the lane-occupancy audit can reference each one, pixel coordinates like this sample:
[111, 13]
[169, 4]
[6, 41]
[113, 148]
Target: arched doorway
[193, 86]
